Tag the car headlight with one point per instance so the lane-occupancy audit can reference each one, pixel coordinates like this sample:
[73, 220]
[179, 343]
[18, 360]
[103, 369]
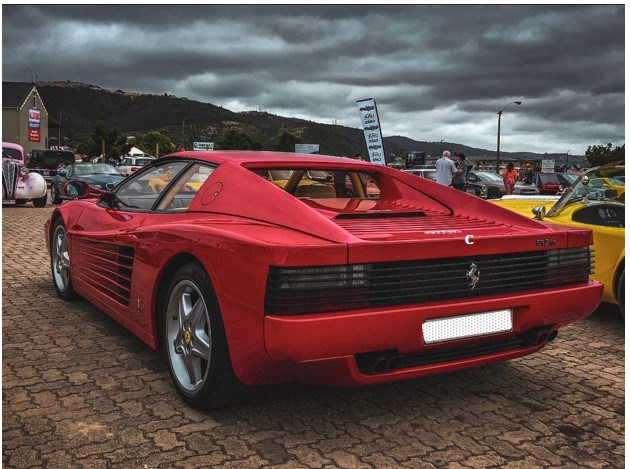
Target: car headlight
[484, 190]
[23, 170]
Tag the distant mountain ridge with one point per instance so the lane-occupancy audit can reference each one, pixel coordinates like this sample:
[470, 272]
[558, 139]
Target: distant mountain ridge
[83, 106]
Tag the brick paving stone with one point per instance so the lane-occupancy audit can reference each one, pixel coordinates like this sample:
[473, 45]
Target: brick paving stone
[80, 391]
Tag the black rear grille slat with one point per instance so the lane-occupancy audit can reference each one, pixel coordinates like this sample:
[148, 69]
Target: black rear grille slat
[313, 289]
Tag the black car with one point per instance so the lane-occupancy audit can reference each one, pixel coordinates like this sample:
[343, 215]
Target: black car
[98, 175]
[49, 163]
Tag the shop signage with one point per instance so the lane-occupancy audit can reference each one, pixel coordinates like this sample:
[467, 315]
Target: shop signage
[203, 146]
[548, 166]
[372, 130]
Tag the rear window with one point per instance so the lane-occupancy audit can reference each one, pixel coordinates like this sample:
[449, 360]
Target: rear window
[54, 157]
[143, 161]
[323, 184]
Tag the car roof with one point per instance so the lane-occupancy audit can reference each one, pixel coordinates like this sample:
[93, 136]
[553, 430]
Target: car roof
[13, 146]
[268, 157]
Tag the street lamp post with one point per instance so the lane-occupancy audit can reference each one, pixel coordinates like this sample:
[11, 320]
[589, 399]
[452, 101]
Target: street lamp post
[499, 131]
[441, 146]
[567, 157]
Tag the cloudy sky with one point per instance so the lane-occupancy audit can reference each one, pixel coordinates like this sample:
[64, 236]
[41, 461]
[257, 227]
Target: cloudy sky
[437, 72]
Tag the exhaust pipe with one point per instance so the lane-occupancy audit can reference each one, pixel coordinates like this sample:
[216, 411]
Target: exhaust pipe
[394, 362]
[378, 362]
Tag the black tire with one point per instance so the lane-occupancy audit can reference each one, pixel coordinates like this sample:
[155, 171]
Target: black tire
[218, 386]
[41, 202]
[54, 194]
[621, 293]
[494, 193]
[65, 291]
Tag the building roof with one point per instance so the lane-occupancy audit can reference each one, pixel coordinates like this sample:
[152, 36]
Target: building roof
[14, 93]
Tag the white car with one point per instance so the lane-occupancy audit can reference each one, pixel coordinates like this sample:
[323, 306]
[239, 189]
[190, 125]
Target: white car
[428, 173]
[130, 164]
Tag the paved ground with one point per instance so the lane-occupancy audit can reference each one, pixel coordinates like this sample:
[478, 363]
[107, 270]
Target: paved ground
[79, 391]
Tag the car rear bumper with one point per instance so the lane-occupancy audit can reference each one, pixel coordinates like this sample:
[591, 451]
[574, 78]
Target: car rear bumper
[323, 348]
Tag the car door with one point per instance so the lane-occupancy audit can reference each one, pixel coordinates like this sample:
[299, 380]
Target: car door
[104, 237]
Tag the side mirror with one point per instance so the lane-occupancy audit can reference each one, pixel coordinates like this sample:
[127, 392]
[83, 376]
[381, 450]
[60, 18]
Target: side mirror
[539, 212]
[80, 190]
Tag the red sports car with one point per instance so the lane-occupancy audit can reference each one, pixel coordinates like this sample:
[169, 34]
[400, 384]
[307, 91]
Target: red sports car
[242, 282]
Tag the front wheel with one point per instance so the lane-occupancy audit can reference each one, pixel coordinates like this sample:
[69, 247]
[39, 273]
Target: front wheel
[494, 193]
[54, 194]
[41, 202]
[195, 342]
[60, 262]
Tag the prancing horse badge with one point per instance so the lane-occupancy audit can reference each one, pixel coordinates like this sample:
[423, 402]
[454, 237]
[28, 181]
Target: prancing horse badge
[473, 275]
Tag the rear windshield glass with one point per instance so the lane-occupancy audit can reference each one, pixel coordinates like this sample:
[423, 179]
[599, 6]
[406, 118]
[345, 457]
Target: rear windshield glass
[55, 156]
[323, 184]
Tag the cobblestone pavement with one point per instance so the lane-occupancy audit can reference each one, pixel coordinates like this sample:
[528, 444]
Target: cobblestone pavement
[80, 391]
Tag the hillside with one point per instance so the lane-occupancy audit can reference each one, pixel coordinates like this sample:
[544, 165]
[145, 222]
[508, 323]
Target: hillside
[82, 106]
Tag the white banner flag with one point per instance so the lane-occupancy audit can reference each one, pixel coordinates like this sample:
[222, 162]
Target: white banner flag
[372, 130]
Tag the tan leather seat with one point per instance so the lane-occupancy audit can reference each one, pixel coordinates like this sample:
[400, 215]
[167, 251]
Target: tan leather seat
[316, 191]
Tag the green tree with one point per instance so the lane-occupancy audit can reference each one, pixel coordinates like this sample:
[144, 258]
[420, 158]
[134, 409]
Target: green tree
[286, 141]
[236, 139]
[146, 142]
[115, 144]
[598, 155]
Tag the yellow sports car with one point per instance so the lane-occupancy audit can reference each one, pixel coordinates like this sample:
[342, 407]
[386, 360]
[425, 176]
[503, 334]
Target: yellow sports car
[588, 204]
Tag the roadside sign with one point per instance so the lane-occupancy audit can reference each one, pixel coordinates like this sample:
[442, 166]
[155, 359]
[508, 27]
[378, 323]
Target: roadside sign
[548, 166]
[203, 146]
[308, 148]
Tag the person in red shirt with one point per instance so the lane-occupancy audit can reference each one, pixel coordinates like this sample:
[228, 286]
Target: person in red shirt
[509, 178]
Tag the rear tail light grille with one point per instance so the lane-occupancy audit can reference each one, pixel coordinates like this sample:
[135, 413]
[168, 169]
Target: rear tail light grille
[295, 290]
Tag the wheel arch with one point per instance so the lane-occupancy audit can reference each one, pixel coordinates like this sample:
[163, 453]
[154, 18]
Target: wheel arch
[164, 278]
[53, 219]
[621, 265]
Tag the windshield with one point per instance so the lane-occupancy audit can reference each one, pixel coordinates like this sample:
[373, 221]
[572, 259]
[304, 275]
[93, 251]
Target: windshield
[11, 153]
[101, 168]
[599, 181]
[486, 176]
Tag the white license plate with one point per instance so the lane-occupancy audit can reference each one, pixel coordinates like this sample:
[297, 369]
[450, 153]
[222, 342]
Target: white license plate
[471, 191]
[8, 202]
[469, 325]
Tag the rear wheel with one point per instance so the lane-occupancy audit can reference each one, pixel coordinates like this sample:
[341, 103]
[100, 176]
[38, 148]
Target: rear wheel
[195, 342]
[60, 262]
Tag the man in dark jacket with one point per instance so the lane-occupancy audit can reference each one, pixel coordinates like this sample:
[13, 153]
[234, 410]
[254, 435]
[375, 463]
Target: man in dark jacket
[463, 166]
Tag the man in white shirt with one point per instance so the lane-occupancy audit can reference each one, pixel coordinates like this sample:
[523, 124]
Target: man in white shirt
[445, 169]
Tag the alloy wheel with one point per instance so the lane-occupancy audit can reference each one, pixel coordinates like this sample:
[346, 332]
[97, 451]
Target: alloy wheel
[189, 336]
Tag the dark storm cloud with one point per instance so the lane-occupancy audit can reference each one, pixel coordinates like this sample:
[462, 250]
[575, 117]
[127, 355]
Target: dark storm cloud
[436, 71]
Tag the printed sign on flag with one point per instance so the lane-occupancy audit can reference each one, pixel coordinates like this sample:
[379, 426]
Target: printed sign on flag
[372, 130]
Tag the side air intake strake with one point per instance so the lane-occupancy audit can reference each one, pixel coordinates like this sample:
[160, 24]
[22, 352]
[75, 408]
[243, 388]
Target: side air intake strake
[107, 268]
[296, 290]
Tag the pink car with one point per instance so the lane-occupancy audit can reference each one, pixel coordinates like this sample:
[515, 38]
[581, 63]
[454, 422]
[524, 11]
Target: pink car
[19, 185]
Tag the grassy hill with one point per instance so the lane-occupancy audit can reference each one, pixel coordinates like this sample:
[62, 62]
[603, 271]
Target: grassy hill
[83, 106]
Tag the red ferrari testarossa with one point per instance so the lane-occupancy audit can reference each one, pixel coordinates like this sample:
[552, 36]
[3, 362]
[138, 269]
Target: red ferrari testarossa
[344, 273]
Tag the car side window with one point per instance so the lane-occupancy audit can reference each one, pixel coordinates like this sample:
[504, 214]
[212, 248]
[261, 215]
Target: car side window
[141, 191]
[184, 190]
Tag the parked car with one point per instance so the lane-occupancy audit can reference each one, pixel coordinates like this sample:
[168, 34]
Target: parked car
[19, 185]
[495, 185]
[554, 183]
[427, 173]
[242, 282]
[587, 205]
[97, 175]
[130, 164]
[49, 163]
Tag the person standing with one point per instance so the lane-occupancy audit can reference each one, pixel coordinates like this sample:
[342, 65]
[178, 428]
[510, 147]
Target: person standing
[459, 176]
[509, 178]
[445, 169]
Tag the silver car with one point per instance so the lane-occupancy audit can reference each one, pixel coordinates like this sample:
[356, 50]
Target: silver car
[496, 188]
